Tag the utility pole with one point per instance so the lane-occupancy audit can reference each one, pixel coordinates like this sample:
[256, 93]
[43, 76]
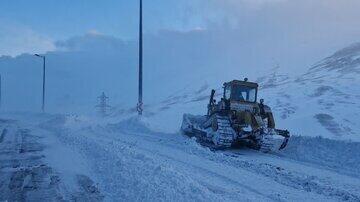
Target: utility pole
[0, 91]
[43, 82]
[140, 100]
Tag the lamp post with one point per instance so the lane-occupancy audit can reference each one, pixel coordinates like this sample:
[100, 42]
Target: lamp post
[140, 99]
[43, 86]
[0, 91]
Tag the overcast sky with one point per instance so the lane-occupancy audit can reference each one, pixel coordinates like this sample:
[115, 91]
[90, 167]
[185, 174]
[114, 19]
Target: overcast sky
[321, 25]
[190, 40]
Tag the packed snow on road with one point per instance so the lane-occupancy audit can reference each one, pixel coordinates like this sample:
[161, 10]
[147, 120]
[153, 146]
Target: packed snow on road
[71, 157]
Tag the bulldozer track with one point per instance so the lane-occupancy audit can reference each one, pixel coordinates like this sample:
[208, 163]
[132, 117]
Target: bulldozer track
[225, 133]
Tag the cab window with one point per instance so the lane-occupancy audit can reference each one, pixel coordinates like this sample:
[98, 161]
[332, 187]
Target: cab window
[227, 92]
[243, 93]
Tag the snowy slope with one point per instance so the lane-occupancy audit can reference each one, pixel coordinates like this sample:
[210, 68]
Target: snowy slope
[324, 101]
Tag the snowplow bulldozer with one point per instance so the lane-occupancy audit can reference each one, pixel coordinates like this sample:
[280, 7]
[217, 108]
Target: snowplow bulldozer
[237, 119]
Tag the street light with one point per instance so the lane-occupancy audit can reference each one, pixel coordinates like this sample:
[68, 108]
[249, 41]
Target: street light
[0, 91]
[140, 99]
[43, 87]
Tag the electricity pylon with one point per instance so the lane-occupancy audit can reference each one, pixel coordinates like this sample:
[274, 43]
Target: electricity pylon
[103, 106]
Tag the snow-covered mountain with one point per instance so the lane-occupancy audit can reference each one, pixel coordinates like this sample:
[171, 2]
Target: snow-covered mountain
[324, 101]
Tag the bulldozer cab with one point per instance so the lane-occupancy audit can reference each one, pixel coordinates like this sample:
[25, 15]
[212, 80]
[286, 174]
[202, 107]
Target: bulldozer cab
[240, 91]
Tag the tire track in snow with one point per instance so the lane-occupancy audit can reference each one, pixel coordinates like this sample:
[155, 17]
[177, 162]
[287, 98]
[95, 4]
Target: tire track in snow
[134, 142]
[299, 181]
[208, 171]
[3, 133]
[252, 168]
[302, 181]
[112, 155]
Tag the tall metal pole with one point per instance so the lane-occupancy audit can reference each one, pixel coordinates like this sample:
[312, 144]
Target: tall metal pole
[0, 91]
[43, 90]
[43, 81]
[140, 101]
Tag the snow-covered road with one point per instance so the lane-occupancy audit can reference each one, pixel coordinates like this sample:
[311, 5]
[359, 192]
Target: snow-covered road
[130, 162]
[33, 166]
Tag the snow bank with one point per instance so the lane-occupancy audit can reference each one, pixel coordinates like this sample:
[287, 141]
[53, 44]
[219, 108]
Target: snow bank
[343, 156]
[134, 124]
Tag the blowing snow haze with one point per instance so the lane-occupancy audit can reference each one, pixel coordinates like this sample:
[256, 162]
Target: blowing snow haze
[303, 54]
[188, 45]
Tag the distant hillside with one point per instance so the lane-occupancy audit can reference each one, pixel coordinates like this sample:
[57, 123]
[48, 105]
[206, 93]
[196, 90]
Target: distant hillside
[324, 101]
